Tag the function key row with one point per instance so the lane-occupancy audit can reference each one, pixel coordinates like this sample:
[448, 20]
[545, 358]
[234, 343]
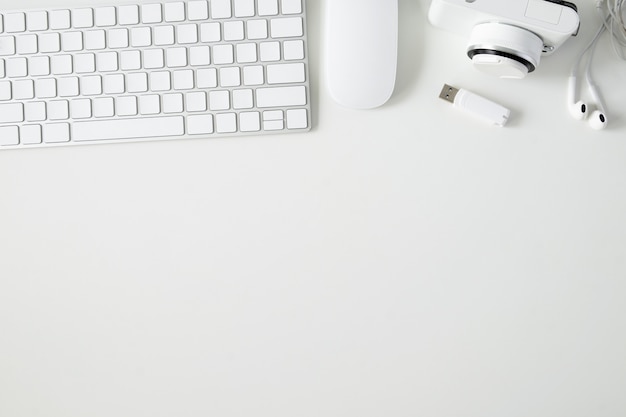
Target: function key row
[194, 10]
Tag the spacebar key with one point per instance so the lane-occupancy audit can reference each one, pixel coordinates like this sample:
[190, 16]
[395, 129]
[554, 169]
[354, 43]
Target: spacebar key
[148, 127]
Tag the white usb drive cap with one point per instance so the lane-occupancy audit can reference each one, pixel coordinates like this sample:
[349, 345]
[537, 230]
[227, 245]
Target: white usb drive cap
[476, 105]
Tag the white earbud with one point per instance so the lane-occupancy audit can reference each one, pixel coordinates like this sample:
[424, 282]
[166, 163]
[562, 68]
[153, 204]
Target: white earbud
[597, 119]
[578, 109]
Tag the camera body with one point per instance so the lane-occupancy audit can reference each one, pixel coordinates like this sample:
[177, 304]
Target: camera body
[507, 37]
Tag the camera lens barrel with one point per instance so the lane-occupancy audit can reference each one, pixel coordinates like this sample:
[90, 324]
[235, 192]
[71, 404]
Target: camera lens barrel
[504, 50]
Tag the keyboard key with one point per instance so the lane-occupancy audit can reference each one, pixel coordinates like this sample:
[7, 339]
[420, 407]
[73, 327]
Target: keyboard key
[176, 57]
[56, 132]
[269, 51]
[286, 27]
[7, 45]
[94, 40]
[46, 88]
[107, 61]
[285, 73]
[220, 9]
[16, 67]
[291, 6]
[183, 80]
[160, 81]
[257, 29]
[297, 119]
[253, 75]
[128, 128]
[61, 64]
[150, 104]
[206, 78]
[72, 41]
[243, 99]
[82, 18]
[281, 96]
[197, 10]
[23, 90]
[230, 77]
[219, 100]
[293, 50]
[68, 87]
[153, 59]
[128, 15]
[105, 16]
[267, 7]
[223, 54]
[196, 101]
[137, 82]
[9, 135]
[118, 38]
[151, 13]
[35, 111]
[246, 53]
[126, 106]
[199, 55]
[30, 134]
[58, 110]
[209, 32]
[91, 85]
[226, 122]
[113, 84]
[233, 31]
[39, 65]
[174, 12]
[5, 90]
[14, 22]
[244, 8]
[130, 60]
[81, 108]
[140, 37]
[103, 107]
[164, 35]
[84, 63]
[173, 103]
[26, 44]
[11, 113]
[200, 124]
[37, 21]
[49, 42]
[250, 121]
[60, 19]
[187, 34]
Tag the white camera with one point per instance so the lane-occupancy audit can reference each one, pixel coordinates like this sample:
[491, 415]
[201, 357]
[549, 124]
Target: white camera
[507, 37]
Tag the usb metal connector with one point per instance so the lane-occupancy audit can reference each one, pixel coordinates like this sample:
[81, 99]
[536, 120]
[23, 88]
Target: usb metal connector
[448, 93]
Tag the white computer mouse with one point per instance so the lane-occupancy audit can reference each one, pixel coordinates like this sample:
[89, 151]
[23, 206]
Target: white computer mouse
[361, 44]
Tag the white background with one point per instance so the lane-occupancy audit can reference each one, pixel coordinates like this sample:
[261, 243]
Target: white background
[406, 261]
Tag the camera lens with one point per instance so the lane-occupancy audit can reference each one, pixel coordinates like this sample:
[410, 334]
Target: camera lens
[504, 50]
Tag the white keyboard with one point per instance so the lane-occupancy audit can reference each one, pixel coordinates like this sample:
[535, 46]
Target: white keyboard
[127, 72]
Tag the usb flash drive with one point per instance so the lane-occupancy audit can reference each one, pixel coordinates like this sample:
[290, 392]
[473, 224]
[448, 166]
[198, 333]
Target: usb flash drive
[475, 104]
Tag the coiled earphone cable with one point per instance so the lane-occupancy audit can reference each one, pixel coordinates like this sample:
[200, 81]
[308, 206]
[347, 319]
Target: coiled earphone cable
[612, 14]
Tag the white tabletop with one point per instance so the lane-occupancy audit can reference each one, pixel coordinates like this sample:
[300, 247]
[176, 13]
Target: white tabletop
[404, 261]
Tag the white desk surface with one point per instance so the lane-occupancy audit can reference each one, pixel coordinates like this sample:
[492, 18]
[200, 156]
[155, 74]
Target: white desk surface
[407, 261]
